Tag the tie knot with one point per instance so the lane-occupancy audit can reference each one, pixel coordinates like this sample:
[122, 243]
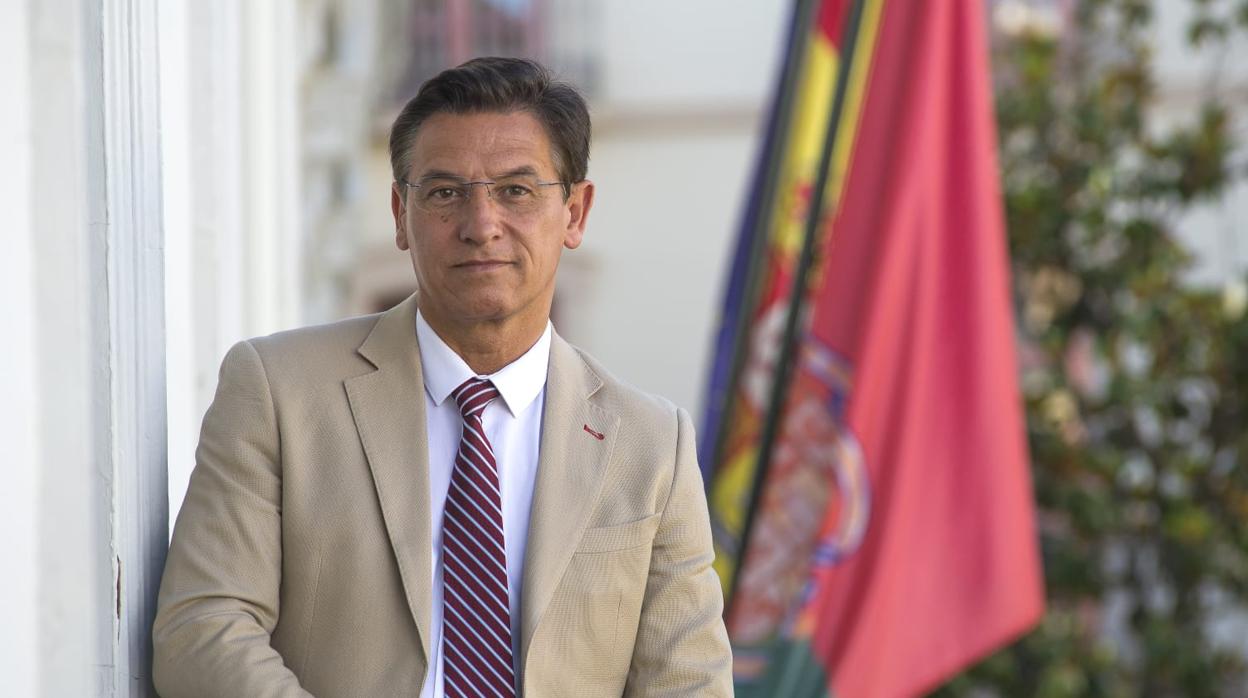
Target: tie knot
[473, 395]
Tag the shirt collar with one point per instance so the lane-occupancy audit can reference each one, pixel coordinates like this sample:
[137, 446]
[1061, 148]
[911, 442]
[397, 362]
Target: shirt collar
[519, 382]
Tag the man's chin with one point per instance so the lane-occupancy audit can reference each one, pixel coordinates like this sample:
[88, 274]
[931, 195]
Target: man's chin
[488, 310]
[495, 307]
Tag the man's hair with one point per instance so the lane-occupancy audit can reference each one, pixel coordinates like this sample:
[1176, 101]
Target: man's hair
[500, 85]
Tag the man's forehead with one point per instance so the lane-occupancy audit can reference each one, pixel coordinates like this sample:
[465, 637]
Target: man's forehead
[499, 142]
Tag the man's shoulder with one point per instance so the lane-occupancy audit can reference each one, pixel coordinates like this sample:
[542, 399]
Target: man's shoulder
[325, 349]
[348, 332]
[633, 405]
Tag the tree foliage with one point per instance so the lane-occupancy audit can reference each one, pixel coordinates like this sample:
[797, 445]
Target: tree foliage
[1136, 384]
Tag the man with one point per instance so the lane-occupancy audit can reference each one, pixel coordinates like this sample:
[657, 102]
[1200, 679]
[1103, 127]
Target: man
[447, 498]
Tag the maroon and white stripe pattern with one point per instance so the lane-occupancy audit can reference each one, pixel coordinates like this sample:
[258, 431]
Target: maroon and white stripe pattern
[476, 619]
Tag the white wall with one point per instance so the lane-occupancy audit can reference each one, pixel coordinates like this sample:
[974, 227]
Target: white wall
[696, 53]
[19, 418]
[642, 293]
[676, 130]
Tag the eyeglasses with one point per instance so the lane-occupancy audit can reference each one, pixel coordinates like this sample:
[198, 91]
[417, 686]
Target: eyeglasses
[519, 194]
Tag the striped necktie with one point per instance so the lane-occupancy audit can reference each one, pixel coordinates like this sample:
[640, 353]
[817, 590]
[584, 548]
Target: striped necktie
[476, 618]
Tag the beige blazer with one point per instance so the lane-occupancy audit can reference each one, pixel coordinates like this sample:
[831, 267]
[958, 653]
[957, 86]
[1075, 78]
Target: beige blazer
[300, 562]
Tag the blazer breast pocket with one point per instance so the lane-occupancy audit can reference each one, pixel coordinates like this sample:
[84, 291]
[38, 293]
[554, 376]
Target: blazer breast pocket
[605, 539]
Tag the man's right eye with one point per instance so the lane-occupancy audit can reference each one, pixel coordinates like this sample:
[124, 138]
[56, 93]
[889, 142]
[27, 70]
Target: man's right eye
[443, 194]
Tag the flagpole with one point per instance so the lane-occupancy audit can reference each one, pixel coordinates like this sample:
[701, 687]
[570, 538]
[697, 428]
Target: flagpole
[786, 357]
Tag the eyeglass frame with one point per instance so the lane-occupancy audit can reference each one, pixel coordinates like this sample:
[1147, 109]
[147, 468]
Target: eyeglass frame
[487, 184]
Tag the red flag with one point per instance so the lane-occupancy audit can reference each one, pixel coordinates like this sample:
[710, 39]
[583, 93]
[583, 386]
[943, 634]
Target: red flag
[903, 422]
[915, 296]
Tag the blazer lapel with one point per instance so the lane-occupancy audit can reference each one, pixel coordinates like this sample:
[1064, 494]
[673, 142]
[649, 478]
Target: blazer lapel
[388, 406]
[571, 463]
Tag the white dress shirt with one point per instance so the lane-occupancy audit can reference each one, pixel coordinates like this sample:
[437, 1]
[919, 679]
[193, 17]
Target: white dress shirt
[513, 425]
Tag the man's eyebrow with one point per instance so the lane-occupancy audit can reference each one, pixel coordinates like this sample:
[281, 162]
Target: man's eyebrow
[440, 174]
[521, 171]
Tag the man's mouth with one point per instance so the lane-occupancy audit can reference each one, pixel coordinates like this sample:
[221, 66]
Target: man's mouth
[482, 264]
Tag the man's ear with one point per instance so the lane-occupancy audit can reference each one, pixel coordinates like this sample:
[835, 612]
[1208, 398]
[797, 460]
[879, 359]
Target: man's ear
[400, 222]
[580, 201]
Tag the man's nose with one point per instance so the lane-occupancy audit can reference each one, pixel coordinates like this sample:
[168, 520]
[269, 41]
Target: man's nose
[482, 216]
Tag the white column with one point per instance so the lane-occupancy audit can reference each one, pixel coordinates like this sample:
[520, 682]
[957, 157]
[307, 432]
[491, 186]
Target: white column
[202, 126]
[271, 164]
[181, 263]
[82, 418]
[134, 256]
[230, 134]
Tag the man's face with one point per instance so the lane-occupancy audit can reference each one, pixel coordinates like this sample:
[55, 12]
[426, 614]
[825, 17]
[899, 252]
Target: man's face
[485, 259]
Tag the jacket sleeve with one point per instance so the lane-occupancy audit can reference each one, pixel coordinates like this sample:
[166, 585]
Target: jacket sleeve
[218, 600]
[682, 646]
